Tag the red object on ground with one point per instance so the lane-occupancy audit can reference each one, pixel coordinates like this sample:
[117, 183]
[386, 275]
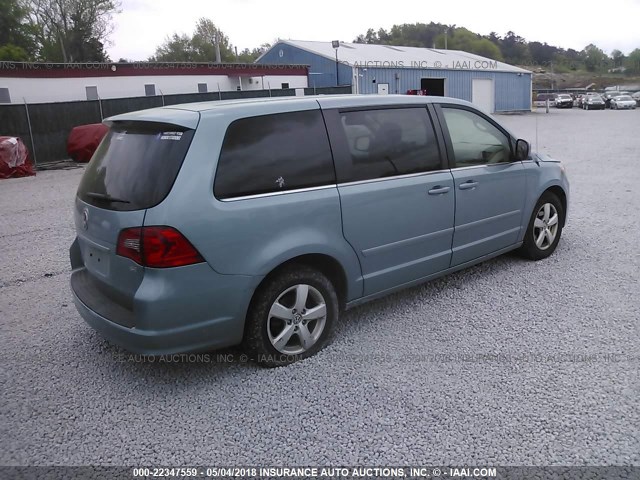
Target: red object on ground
[84, 140]
[14, 158]
[417, 92]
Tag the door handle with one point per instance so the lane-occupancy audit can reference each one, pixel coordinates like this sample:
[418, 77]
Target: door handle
[438, 190]
[468, 185]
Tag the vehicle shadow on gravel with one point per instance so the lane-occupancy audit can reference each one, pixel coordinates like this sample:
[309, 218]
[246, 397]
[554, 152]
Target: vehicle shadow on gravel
[430, 291]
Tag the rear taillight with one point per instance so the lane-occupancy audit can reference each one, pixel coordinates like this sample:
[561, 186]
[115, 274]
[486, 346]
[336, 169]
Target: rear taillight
[130, 244]
[157, 247]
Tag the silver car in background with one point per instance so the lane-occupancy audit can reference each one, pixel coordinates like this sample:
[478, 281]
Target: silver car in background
[623, 102]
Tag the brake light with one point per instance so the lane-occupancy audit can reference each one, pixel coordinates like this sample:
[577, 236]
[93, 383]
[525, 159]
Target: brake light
[130, 244]
[157, 247]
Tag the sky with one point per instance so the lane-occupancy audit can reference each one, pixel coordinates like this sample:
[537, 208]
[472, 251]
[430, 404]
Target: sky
[142, 25]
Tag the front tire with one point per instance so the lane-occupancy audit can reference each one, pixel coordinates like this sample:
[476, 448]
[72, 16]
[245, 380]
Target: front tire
[545, 228]
[291, 316]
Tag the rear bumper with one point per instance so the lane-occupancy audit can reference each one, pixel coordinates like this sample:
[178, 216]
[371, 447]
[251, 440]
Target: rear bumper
[194, 309]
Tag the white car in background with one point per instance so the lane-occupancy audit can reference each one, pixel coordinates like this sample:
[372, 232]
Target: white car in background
[542, 98]
[623, 102]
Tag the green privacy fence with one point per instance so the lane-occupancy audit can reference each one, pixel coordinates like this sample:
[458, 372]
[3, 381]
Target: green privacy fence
[45, 127]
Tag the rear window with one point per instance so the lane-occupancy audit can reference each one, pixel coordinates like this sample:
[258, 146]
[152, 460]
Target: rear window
[135, 165]
[274, 153]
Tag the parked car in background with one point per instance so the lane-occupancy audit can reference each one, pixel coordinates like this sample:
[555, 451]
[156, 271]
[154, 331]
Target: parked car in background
[593, 102]
[623, 102]
[582, 98]
[541, 99]
[564, 100]
[206, 225]
[607, 96]
[636, 97]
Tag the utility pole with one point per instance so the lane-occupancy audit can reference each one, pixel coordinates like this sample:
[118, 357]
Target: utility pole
[216, 44]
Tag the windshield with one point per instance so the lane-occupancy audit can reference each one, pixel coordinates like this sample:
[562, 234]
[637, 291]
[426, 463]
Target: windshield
[135, 165]
[624, 98]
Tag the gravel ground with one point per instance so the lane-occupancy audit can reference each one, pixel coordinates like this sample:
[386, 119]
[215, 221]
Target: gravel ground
[506, 363]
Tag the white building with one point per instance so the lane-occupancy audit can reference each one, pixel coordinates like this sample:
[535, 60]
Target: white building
[51, 82]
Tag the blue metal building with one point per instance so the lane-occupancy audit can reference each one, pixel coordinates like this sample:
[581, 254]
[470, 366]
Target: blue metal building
[492, 85]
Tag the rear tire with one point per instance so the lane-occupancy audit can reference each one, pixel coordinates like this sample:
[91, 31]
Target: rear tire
[291, 317]
[545, 228]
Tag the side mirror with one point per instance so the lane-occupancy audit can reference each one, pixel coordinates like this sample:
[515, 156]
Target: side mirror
[522, 149]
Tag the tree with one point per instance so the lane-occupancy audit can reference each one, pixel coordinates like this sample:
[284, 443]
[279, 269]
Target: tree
[633, 61]
[618, 58]
[495, 39]
[433, 35]
[176, 48]
[515, 49]
[73, 30]
[250, 56]
[198, 47]
[467, 41]
[410, 35]
[370, 37]
[17, 40]
[594, 58]
[542, 54]
[511, 48]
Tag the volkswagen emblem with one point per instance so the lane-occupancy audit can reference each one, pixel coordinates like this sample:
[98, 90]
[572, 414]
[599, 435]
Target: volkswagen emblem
[85, 219]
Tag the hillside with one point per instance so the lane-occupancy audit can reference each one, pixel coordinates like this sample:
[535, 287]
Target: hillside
[594, 81]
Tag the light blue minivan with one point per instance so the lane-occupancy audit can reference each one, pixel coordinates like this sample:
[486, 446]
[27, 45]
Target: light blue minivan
[256, 222]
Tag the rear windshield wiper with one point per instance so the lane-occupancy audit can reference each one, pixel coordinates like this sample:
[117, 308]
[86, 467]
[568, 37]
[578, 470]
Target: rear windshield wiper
[105, 197]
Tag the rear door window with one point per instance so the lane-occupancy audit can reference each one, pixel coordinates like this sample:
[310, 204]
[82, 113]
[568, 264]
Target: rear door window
[274, 153]
[135, 166]
[388, 142]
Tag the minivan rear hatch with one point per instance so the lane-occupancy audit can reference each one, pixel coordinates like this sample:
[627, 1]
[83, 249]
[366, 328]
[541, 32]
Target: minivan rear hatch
[133, 169]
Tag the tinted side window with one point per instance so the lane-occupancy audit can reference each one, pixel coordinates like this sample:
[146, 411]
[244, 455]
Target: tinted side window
[274, 153]
[384, 143]
[476, 141]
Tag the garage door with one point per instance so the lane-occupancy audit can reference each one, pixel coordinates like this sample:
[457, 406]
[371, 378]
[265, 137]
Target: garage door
[482, 94]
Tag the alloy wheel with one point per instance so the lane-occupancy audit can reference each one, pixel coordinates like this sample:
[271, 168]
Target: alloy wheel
[545, 226]
[296, 319]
